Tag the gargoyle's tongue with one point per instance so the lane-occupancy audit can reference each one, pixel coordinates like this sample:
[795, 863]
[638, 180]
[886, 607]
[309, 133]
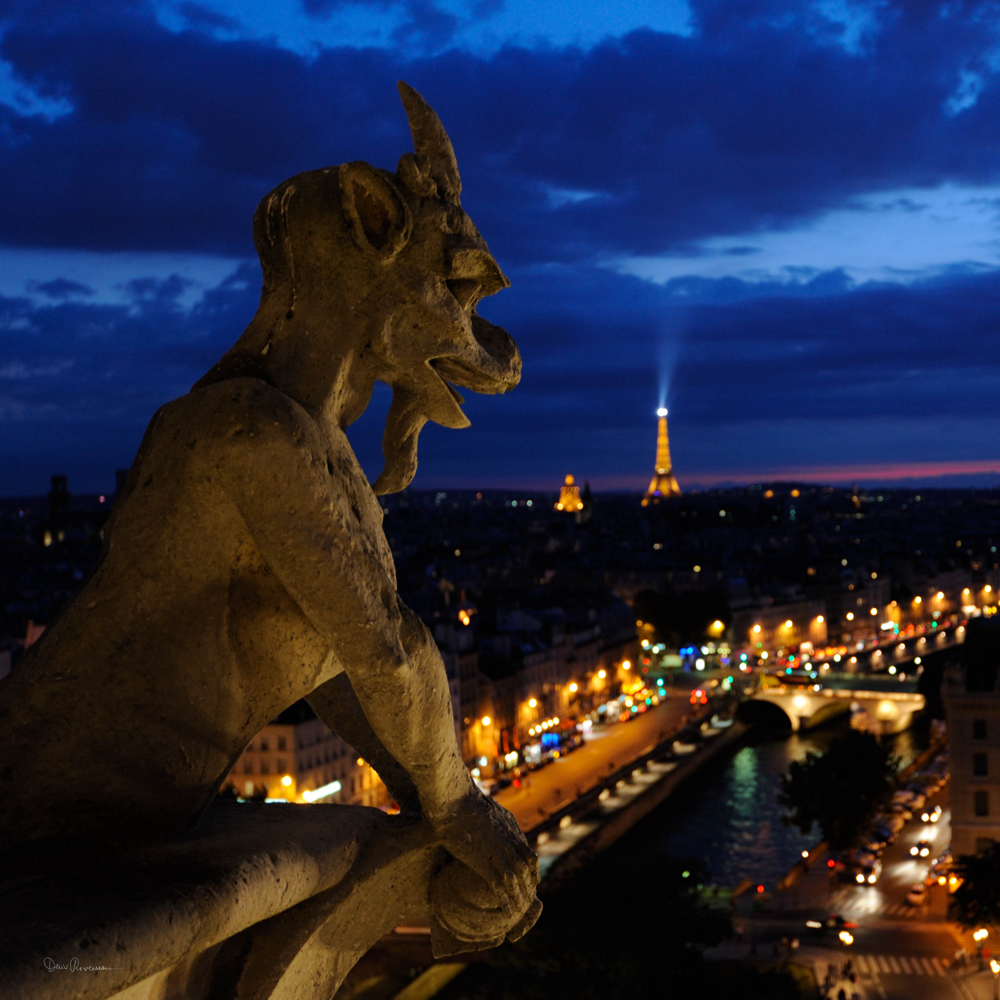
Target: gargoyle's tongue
[399, 442]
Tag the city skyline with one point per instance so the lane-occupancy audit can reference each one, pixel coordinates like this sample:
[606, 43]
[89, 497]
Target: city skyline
[778, 220]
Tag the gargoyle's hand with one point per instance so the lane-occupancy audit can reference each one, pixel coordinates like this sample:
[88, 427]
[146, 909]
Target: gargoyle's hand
[486, 838]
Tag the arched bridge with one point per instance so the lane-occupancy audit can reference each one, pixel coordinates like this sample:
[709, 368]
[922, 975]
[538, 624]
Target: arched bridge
[890, 707]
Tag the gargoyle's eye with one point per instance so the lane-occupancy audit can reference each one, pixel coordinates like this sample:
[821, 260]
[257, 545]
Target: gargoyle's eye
[465, 290]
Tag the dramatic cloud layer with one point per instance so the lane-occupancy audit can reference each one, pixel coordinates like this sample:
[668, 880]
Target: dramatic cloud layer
[779, 217]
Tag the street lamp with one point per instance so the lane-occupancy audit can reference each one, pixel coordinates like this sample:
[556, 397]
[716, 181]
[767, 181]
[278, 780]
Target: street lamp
[995, 969]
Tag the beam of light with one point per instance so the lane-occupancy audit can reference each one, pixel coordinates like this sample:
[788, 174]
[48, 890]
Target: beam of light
[668, 349]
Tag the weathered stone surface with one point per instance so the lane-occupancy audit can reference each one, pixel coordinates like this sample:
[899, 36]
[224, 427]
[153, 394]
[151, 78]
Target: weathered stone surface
[245, 565]
[248, 904]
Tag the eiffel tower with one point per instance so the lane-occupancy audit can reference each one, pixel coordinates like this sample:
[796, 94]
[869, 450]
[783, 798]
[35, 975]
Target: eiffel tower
[664, 482]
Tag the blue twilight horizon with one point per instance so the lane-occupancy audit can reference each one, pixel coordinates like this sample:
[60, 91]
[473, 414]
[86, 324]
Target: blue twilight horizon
[780, 219]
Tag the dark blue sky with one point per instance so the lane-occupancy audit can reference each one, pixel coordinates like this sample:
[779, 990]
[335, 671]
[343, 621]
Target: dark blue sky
[783, 217]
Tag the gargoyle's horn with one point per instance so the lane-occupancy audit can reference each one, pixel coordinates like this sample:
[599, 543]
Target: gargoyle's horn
[431, 140]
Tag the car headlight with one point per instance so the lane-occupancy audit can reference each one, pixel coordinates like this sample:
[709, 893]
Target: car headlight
[860, 878]
[871, 879]
[913, 850]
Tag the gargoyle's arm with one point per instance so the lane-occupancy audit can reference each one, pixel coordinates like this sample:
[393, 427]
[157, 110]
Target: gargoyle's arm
[337, 705]
[280, 480]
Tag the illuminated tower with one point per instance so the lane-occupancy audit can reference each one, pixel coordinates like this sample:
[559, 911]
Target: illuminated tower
[664, 482]
[569, 496]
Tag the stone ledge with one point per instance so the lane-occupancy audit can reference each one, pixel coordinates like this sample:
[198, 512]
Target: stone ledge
[259, 901]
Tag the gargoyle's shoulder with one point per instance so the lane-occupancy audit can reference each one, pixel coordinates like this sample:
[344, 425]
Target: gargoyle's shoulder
[242, 409]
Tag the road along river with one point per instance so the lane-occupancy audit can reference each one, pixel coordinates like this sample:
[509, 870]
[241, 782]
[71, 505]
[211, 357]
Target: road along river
[728, 815]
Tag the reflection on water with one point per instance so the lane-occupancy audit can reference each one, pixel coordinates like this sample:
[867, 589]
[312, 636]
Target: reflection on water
[728, 815]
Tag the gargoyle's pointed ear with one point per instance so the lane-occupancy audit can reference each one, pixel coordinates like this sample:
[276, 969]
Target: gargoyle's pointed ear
[379, 217]
[431, 141]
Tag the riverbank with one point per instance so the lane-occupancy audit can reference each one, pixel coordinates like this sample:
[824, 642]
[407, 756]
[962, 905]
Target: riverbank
[648, 784]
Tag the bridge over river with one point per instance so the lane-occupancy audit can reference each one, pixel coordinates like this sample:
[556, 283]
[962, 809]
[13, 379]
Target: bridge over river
[890, 703]
[878, 680]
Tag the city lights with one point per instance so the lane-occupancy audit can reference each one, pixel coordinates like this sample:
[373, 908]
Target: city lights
[486, 720]
[322, 792]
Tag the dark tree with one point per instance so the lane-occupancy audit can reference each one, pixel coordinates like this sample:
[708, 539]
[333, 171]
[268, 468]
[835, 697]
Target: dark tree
[683, 616]
[589, 942]
[840, 789]
[977, 900]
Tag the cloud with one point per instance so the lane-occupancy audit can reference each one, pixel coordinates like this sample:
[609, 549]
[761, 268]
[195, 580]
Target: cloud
[818, 221]
[893, 236]
[60, 288]
[175, 135]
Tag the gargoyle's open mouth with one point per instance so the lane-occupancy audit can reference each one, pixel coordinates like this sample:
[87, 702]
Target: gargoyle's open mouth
[489, 364]
[496, 368]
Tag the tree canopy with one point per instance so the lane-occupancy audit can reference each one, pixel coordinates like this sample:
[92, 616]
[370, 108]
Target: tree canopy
[841, 789]
[977, 900]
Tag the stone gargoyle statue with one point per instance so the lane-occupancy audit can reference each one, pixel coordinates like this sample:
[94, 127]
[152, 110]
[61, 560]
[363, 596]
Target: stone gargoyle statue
[245, 565]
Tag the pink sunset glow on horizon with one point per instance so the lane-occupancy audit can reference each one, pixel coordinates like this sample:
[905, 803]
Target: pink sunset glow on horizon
[834, 475]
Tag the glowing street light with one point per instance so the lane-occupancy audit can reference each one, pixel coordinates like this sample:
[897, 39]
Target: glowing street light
[486, 720]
